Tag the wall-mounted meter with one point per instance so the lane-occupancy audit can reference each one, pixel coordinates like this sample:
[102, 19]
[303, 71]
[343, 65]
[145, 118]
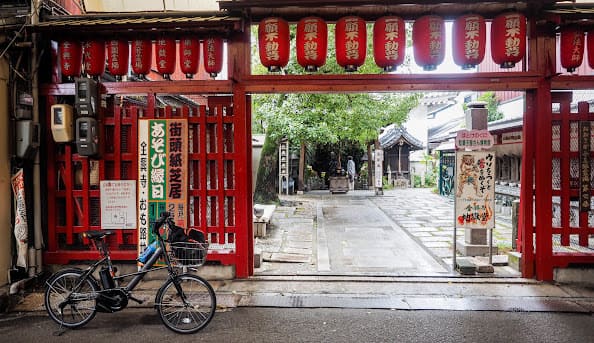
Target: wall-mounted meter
[87, 136]
[86, 97]
[27, 138]
[62, 123]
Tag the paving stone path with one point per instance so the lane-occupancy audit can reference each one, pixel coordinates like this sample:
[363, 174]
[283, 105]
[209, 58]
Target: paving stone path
[359, 232]
[430, 219]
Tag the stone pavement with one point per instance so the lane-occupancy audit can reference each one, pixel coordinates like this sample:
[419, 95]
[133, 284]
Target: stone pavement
[403, 232]
[429, 218]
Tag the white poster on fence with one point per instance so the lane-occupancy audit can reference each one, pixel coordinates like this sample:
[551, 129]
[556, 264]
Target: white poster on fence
[118, 204]
[475, 189]
[21, 230]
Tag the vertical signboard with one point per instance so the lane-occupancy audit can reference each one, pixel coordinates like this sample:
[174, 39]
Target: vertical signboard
[283, 166]
[162, 173]
[585, 172]
[475, 189]
[379, 168]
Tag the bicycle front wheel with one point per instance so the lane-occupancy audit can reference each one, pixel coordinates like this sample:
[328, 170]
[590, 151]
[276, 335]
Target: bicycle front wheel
[68, 301]
[186, 304]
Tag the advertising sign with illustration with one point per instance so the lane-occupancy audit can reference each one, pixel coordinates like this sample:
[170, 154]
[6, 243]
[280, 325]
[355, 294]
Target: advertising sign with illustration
[475, 189]
[162, 173]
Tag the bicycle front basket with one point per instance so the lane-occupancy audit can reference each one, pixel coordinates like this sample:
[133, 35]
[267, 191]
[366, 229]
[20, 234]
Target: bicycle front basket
[188, 254]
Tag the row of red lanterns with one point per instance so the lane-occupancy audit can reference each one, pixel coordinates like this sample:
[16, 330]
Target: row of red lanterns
[508, 42]
[92, 54]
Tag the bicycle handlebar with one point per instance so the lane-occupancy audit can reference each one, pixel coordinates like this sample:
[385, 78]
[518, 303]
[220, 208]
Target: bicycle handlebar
[165, 217]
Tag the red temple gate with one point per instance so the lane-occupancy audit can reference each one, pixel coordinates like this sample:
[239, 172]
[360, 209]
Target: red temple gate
[217, 161]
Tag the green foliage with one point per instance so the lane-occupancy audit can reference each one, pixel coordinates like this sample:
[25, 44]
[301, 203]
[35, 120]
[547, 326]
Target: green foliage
[386, 184]
[328, 118]
[430, 179]
[417, 181]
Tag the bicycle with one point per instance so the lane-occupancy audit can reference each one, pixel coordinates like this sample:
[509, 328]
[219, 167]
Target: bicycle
[186, 303]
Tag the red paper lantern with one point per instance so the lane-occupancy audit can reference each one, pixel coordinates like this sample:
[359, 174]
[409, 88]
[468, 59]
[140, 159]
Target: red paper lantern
[590, 42]
[351, 42]
[94, 57]
[117, 58]
[468, 40]
[572, 48]
[389, 42]
[508, 39]
[273, 43]
[213, 55]
[429, 41]
[189, 56]
[312, 43]
[165, 56]
[142, 54]
[70, 53]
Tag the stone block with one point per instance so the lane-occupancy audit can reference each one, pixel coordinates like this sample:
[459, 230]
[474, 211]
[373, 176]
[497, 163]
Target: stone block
[476, 118]
[474, 249]
[482, 266]
[257, 260]
[575, 275]
[475, 236]
[496, 260]
[514, 260]
[260, 229]
[465, 266]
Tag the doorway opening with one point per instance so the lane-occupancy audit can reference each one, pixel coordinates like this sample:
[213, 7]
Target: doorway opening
[408, 230]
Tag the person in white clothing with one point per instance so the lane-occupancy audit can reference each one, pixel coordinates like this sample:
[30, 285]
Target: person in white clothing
[351, 172]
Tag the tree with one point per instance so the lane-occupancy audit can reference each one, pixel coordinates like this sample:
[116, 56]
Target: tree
[307, 119]
[265, 191]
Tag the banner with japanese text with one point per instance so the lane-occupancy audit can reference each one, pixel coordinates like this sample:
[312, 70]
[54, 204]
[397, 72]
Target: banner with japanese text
[475, 189]
[162, 174]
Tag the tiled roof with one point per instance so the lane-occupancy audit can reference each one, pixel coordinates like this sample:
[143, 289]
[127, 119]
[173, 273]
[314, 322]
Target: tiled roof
[393, 134]
[149, 22]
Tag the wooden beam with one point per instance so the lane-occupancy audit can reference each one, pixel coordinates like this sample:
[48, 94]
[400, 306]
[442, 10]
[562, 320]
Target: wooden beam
[571, 82]
[361, 83]
[144, 87]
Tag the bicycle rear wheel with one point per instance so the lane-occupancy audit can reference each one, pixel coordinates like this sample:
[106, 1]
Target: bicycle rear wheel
[188, 311]
[68, 305]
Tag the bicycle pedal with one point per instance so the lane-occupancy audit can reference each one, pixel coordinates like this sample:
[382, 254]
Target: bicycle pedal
[139, 301]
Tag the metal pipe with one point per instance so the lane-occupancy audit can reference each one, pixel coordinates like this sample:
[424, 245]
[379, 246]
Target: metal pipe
[38, 239]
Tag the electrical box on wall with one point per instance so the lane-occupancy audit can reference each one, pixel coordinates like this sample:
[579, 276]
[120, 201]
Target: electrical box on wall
[27, 138]
[87, 136]
[62, 123]
[24, 106]
[86, 97]
[23, 113]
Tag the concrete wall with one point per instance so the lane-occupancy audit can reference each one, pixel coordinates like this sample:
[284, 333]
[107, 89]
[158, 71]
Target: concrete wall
[5, 189]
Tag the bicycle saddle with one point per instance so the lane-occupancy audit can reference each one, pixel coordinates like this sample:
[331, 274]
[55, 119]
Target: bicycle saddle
[97, 234]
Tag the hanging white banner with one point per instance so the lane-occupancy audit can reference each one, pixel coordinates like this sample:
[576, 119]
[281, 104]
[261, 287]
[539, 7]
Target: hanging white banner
[21, 230]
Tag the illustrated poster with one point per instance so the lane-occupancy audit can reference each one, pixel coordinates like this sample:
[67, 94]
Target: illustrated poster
[475, 189]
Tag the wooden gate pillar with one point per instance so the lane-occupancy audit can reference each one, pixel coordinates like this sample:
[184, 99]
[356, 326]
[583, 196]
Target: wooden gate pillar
[543, 182]
[245, 243]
